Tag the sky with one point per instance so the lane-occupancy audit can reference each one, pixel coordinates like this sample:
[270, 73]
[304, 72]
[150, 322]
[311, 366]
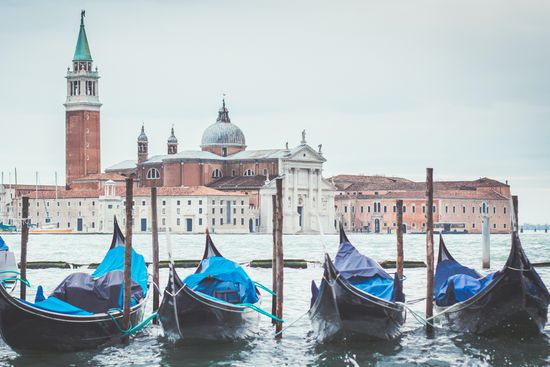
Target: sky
[387, 87]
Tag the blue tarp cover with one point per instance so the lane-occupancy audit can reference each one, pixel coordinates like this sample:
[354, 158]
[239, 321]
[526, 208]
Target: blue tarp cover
[219, 274]
[377, 286]
[54, 304]
[363, 272]
[351, 263]
[114, 260]
[466, 282]
[3, 246]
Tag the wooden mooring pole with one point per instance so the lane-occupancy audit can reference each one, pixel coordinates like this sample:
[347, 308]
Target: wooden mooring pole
[515, 220]
[155, 231]
[280, 261]
[429, 247]
[24, 242]
[400, 256]
[128, 256]
[274, 261]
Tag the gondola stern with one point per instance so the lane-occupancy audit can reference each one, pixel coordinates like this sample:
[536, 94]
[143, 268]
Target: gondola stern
[118, 237]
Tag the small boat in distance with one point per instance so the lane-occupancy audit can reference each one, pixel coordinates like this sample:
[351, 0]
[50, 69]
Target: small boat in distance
[217, 302]
[83, 312]
[9, 272]
[513, 299]
[356, 298]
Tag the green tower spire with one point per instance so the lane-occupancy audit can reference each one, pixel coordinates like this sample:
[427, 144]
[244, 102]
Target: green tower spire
[82, 51]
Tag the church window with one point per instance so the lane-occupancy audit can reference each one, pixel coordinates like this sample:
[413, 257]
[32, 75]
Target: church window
[265, 172]
[249, 172]
[224, 152]
[233, 173]
[217, 173]
[153, 174]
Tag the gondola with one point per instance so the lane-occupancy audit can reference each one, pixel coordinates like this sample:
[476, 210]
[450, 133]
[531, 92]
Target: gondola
[83, 312]
[356, 298]
[512, 300]
[218, 302]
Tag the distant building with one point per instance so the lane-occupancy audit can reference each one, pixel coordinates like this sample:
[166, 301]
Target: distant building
[182, 209]
[367, 203]
[223, 163]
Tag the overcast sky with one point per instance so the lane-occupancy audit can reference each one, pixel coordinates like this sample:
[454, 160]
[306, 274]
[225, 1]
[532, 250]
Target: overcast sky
[388, 87]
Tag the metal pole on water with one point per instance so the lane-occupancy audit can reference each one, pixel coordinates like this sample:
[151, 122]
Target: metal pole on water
[400, 256]
[24, 241]
[274, 261]
[485, 242]
[429, 247]
[128, 257]
[155, 230]
[280, 258]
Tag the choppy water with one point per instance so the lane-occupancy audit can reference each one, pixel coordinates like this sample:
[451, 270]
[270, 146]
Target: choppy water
[297, 346]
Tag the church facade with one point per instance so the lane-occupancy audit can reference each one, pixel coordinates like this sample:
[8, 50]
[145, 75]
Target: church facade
[223, 163]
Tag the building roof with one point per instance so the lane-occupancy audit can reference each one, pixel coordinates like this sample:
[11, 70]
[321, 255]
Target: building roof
[223, 132]
[82, 51]
[183, 191]
[421, 195]
[67, 194]
[239, 183]
[100, 177]
[360, 183]
[127, 165]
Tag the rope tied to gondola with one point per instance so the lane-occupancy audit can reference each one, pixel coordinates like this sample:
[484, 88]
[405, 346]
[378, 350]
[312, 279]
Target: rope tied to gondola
[131, 329]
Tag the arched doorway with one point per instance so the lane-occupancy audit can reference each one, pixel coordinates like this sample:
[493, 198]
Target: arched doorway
[377, 226]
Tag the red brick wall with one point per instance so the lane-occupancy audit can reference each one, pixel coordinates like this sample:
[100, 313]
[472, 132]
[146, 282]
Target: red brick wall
[83, 155]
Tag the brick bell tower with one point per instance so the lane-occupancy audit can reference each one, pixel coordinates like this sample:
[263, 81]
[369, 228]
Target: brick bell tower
[83, 153]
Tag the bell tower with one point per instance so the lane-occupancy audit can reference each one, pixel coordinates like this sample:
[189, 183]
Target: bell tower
[82, 133]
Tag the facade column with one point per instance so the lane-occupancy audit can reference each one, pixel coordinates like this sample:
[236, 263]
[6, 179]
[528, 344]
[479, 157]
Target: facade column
[294, 208]
[311, 209]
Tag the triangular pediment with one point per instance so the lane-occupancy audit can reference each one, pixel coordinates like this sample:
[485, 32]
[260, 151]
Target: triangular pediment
[304, 153]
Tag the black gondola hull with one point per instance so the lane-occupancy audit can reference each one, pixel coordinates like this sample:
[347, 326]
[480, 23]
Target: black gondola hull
[27, 329]
[506, 307]
[342, 311]
[194, 317]
[515, 301]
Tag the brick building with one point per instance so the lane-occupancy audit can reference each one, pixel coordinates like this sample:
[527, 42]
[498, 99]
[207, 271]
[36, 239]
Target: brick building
[367, 203]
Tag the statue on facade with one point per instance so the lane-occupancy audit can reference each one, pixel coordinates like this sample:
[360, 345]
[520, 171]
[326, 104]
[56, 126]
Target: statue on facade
[303, 137]
[320, 149]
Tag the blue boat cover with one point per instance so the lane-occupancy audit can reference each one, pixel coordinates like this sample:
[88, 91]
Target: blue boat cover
[466, 282]
[464, 287]
[364, 273]
[54, 304]
[223, 279]
[351, 263]
[377, 286]
[114, 260]
[85, 294]
[3, 246]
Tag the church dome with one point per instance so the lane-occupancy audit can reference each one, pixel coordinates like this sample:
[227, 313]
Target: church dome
[172, 139]
[223, 132]
[142, 138]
